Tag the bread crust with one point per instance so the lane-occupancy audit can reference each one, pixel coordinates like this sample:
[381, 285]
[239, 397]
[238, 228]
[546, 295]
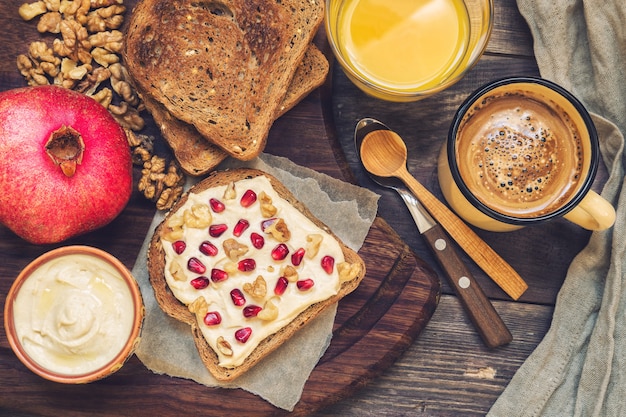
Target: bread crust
[223, 67]
[170, 304]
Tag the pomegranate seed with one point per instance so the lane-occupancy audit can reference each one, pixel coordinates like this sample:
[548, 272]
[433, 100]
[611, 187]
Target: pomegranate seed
[257, 240]
[251, 311]
[280, 252]
[267, 223]
[305, 284]
[281, 286]
[218, 275]
[296, 258]
[238, 298]
[200, 282]
[216, 205]
[242, 335]
[240, 227]
[248, 198]
[179, 246]
[208, 248]
[212, 318]
[194, 265]
[246, 265]
[216, 230]
[328, 263]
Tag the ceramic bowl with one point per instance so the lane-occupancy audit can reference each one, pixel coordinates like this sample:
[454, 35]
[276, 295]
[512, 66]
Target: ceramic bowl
[74, 315]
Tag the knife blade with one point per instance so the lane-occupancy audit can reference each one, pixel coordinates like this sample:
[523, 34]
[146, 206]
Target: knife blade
[481, 312]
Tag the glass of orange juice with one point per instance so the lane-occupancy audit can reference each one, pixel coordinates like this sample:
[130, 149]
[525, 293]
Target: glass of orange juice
[405, 50]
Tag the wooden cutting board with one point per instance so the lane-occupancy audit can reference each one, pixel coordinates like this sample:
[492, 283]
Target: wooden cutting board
[374, 325]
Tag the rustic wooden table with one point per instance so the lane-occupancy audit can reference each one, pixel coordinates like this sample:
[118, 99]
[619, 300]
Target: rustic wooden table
[440, 369]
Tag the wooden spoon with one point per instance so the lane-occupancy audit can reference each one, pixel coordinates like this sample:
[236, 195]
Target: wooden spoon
[384, 153]
[479, 309]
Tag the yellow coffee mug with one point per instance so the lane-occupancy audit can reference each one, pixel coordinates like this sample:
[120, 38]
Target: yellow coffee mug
[522, 151]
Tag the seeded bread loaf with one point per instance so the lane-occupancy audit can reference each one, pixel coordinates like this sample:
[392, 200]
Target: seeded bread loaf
[196, 154]
[223, 67]
[168, 301]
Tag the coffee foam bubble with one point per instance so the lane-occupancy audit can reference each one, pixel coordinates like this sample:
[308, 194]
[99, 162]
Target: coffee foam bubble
[519, 156]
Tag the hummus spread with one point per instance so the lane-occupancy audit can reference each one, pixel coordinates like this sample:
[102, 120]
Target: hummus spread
[218, 295]
[74, 314]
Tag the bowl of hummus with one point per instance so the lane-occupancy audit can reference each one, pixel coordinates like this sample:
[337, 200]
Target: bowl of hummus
[74, 315]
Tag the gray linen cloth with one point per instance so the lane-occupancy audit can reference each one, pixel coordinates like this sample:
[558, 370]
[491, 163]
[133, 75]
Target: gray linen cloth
[579, 369]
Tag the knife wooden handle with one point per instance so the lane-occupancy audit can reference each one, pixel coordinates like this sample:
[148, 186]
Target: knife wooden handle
[478, 307]
[485, 257]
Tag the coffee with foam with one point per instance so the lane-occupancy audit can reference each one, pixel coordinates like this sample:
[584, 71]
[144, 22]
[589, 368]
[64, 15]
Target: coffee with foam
[520, 155]
[521, 151]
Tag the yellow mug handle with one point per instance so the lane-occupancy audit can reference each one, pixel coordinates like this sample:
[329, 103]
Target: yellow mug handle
[592, 213]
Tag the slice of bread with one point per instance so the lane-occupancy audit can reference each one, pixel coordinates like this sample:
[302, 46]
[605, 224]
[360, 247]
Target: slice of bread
[196, 154]
[310, 74]
[223, 67]
[179, 310]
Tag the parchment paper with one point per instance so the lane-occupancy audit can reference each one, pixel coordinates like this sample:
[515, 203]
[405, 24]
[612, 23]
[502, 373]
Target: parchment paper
[167, 346]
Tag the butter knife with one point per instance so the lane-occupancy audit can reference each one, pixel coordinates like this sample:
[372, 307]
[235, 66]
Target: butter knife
[479, 309]
[481, 312]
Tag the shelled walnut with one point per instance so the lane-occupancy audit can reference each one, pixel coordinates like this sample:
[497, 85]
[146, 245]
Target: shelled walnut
[86, 57]
[161, 182]
[88, 40]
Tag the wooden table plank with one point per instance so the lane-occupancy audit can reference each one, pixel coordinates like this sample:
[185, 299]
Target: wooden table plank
[424, 125]
[373, 326]
[446, 371]
[510, 34]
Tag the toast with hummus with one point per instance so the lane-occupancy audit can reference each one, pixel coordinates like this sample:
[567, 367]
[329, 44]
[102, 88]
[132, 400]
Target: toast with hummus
[196, 154]
[246, 265]
[223, 67]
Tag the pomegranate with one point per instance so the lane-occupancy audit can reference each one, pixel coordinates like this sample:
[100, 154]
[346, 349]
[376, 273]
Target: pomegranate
[237, 296]
[65, 164]
[216, 230]
[251, 311]
[281, 286]
[218, 275]
[212, 318]
[195, 265]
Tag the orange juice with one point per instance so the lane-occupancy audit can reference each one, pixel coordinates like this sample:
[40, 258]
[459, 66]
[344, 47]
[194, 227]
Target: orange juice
[403, 44]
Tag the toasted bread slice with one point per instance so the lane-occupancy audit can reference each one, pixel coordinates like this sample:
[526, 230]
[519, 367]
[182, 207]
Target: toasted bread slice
[223, 67]
[165, 294]
[196, 154]
[310, 74]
